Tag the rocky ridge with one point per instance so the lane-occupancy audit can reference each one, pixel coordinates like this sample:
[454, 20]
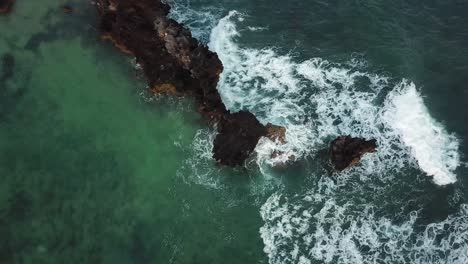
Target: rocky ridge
[174, 62]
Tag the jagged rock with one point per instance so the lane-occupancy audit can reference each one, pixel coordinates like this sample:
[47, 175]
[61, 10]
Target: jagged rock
[276, 132]
[238, 135]
[6, 5]
[166, 51]
[346, 151]
[174, 62]
[67, 9]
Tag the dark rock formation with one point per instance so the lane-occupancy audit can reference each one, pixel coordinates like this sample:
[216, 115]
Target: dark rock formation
[346, 151]
[67, 9]
[6, 5]
[174, 62]
[238, 135]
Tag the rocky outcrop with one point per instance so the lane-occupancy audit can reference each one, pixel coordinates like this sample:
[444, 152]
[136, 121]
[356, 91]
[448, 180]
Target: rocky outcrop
[237, 137]
[346, 151]
[276, 133]
[174, 62]
[6, 5]
[67, 9]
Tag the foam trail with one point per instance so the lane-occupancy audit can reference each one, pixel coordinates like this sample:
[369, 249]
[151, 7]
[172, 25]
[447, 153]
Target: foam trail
[310, 229]
[199, 167]
[435, 150]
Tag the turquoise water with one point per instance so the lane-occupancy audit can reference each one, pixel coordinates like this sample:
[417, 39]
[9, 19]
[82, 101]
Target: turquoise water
[96, 171]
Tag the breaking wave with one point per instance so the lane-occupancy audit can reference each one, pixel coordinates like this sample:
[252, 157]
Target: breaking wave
[317, 100]
[435, 150]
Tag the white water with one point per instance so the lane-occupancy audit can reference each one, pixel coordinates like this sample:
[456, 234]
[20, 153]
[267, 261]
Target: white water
[315, 229]
[200, 22]
[344, 98]
[435, 150]
[318, 100]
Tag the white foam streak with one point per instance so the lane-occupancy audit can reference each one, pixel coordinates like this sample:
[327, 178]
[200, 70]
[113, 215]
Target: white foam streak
[435, 150]
[322, 230]
[198, 168]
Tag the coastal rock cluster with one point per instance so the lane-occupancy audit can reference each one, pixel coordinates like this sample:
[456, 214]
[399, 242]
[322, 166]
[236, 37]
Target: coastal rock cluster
[6, 5]
[174, 62]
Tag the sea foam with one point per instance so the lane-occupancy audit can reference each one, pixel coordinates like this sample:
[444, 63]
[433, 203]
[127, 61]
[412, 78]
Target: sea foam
[317, 100]
[312, 228]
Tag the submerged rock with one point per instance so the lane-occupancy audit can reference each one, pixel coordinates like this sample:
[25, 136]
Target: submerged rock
[67, 9]
[6, 5]
[174, 62]
[346, 151]
[7, 68]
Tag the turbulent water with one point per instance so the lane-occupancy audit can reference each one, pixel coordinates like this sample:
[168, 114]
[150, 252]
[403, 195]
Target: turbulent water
[317, 99]
[94, 171]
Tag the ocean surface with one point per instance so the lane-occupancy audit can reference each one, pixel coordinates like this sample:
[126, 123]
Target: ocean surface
[94, 170]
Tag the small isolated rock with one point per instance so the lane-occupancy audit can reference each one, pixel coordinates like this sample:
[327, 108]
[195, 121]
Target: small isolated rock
[346, 151]
[67, 9]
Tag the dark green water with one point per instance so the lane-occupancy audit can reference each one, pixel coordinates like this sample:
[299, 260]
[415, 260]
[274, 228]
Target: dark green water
[94, 172]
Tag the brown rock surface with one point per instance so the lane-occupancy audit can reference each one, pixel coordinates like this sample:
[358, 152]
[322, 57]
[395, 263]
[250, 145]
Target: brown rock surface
[6, 5]
[346, 151]
[174, 62]
[67, 9]
[276, 133]
[238, 135]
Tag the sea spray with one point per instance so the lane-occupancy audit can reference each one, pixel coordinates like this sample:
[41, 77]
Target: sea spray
[435, 150]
